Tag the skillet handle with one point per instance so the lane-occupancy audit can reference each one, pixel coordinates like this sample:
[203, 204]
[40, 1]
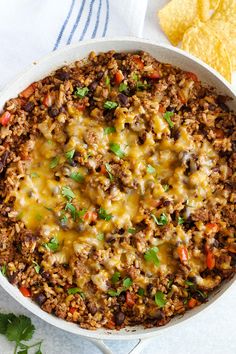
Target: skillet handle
[99, 343]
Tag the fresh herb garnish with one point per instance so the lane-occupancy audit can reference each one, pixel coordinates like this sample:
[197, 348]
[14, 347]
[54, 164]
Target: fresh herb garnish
[114, 293]
[127, 282]
[34, 175]
[115, 277]
[107, 80]
[70, 154]
[189, 283]
[100, 236]
[180, 220]
[150, 169]
[167, 116]
[102, 213]
[110, 105]
[73, 291]
[77, 176]
[108, 169]
[36, 267]
[141, 292]
[4, 269]
[52, 245]
[18, 329]
[160, 299]
[123, 87]
[81, 92]
[81, 213]
[67, 193]
[135, 77]
[162, 220]
[151, 256]
[131, 231]
[109, 130]
[115, 148]
[54, 162]
[72, 209]
[166, 187]
[142, 86]
[63, 219]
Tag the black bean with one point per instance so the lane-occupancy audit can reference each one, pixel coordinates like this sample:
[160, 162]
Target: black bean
[119, 318]
[29, 106]
[119, 56]
[221, 102]
[175, 134]
[40, 299]
[93, 86]
[121, 231]
[100, 75]
[62, 75]
[171, 109]
[122, 298]
[12, 278]
[53, 111]
[45, 275]
[156, 314]
[166, 202]
[57, 178]
[92, 308]
[123, 99]
[233, 259]
[149, 289]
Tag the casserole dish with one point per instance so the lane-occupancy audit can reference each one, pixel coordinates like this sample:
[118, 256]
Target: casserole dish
[65, 56]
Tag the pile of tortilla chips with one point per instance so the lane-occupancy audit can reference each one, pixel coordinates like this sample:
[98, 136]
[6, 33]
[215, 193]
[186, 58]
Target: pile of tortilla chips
[207, 29]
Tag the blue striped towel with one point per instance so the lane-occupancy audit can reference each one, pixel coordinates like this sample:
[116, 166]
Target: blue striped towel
[30, 29]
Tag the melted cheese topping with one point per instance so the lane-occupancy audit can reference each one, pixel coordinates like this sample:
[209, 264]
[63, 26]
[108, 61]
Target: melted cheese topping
[41, 204]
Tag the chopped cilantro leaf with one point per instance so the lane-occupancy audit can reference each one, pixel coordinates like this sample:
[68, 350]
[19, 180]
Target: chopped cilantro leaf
[123, 87]
[150, 169]
[81, 92]
[36, 267]
[135, 77]
[107, 80]
[127, 282]
[73, 291]
[102, 213]
[151, 256]
[163, 220]
[77, 176]
[34, 175]
[72, 210]
[166, 187]
[4, 270]
[20, 328]
[114, 293]
[141, 292]
[54, 162]
[180, 220]
[100, 236]
[108, 168]
[131, 231]
[115, 277]
[70, 154]
[63, 220]
[81, 213]
[52, 245]
[109, 130]
[67, 193]
[110, 105]
[160, 299]
[142, 86]
[189, 283]
[115, 148]
[167, 116]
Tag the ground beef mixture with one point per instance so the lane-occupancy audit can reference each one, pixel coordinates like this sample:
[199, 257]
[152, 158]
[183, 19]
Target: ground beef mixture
[117, 191]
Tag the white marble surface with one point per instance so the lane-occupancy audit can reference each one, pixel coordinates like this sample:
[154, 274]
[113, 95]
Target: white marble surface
[212, 331]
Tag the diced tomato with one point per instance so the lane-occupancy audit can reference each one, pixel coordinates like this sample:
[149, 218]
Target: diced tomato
[182, 253]
[138, 62]
[162, 109]
[26, 93]
[91, 216]
[119, 77]
[130, 299]
[211, 227]
[210, 260]
[103, 169]
[24, 291]
[47, 101]
[154, 75]
[110, 324]
[80, 106]
[192, 76]
[192, 303]
[5, 118]
[72, 310]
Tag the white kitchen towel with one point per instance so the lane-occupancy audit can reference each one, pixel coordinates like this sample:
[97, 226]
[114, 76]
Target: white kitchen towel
[30, 29]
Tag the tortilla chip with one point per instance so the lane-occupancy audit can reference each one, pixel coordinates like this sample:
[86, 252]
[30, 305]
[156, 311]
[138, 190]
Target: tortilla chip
[176, 17]
[226, 11]
[204, 9]
[214, 4]
[226, 32]
[202, 42]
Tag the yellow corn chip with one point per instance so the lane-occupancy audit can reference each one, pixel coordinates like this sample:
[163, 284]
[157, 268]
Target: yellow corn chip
[176, 17]
[214, 4]
[204, 9]
[202, 42]
[226, 31]
[226, 11]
